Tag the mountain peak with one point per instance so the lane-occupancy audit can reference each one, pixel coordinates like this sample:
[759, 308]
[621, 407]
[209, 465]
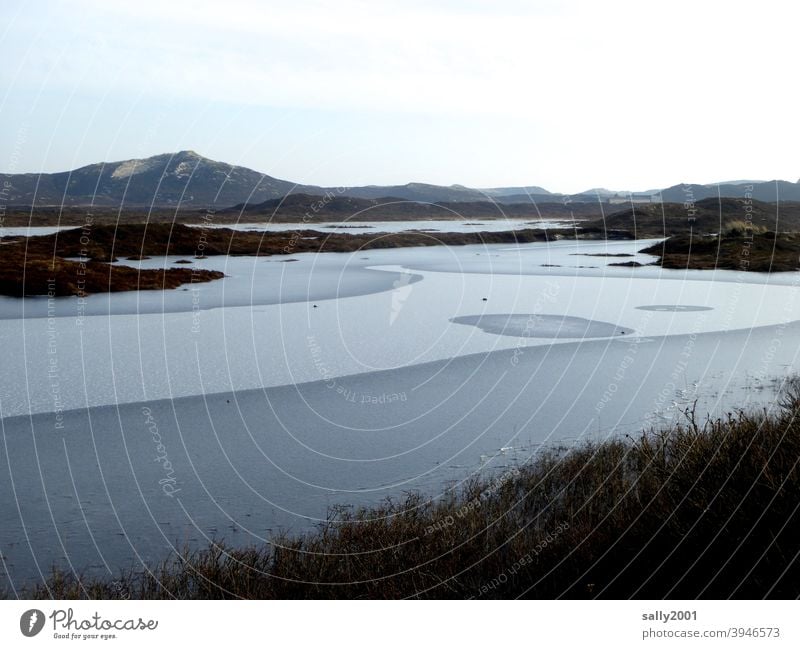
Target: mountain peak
[173, 179]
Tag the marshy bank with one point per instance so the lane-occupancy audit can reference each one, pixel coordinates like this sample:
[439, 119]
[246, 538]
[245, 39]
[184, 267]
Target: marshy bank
[706, 510]
[79, 261]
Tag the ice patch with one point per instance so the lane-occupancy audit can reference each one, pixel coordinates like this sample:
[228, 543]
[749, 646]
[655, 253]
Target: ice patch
[533, 325]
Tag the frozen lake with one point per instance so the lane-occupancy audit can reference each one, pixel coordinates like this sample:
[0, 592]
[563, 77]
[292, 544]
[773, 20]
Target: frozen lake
[290, 386]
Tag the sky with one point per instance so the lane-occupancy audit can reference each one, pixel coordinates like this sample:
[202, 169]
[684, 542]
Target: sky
[566, 95]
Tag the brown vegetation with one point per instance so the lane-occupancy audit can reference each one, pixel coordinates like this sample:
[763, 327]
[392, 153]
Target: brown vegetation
[41, 256]
[22, 275]
[736, 250]
[707, 216]
[105, 242]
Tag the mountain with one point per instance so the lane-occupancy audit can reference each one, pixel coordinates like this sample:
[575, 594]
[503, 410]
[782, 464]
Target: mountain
[186, 179]
[738, 182]
[596, 192]
[167, 180]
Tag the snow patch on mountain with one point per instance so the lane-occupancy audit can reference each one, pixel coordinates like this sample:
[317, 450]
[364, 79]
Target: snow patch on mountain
[131, 167]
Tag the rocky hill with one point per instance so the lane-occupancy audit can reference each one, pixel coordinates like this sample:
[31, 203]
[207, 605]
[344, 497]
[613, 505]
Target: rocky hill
[189, 180]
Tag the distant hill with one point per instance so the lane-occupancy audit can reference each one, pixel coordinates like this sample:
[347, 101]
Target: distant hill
[418, 192]
[769, 192]
[187, 179]
[427, 193]
[332, 207]
[707, 215]
[499, 192]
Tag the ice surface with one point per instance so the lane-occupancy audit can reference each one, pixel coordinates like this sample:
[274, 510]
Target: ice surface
[537, 325]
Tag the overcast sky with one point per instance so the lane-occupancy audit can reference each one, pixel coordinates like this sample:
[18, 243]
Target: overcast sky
[566, 95]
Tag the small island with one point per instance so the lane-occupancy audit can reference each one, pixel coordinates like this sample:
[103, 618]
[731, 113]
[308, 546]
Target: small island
[22, 275]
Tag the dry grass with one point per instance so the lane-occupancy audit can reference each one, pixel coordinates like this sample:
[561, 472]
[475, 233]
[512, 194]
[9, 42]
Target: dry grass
[749, 250]
[24, 274]
[742, 228]
[694, 511]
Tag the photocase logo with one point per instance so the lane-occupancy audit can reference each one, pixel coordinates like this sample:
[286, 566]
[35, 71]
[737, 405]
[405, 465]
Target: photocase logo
[31, 622]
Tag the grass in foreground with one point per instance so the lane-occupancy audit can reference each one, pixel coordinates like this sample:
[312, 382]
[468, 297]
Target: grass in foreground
[695, 511]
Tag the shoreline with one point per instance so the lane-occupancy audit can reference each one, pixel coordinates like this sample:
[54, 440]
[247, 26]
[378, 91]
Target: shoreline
[50, 259]
[47, 259]
[566, 523]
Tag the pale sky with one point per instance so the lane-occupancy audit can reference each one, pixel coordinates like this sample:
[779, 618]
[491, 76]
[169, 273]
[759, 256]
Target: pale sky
[567, 95]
